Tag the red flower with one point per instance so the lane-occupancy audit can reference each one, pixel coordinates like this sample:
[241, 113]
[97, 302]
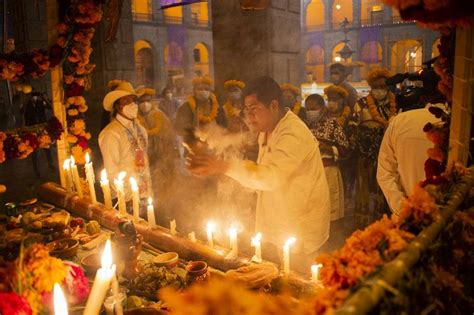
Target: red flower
[74, 90]
[55, 55]
[12, 304]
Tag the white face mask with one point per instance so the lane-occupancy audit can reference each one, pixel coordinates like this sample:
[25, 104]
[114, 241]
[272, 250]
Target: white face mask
[313, 115]
[379, 94]
[169, 96]
[202, 95]
[145, 107]
[130, 111]
[236, 96]
[333, 106]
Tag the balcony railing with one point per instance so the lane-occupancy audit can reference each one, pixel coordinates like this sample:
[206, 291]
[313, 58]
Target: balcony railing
[173, 20]
[396, 20]
[143, 17]
[200, 23]
[315, 28]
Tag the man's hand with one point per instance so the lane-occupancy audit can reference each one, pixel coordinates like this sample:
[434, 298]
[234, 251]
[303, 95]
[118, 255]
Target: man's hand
[206, 165]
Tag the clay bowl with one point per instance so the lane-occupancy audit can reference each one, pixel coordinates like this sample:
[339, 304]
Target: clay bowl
[65, 248]
[91, 263]
[169, 260]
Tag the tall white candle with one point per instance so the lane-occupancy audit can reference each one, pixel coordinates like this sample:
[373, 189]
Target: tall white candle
[135, 199]
[102, 281]
[286, 255]
[151, 213]
[315, 273]
[60, 304]
[256, 242]
[211, 226]
[121, 193]
[192, 236]
[173, 227]
[90, 178]
[76, 177]
[67, 175]
[115, 292]
[104, 183]
[234, 250]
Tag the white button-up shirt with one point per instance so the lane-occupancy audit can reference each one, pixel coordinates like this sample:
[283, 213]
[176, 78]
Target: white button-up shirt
[118, 151]
[293, 195]
[402, 155]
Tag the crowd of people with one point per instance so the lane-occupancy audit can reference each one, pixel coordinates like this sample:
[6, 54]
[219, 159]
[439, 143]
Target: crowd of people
[309, 164]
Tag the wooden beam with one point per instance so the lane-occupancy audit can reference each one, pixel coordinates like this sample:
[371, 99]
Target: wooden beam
[463, 97]
[57, 91]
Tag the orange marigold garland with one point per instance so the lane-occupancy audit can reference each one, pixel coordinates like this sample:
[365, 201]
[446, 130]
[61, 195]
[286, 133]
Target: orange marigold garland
[375, 113]
[205, 119]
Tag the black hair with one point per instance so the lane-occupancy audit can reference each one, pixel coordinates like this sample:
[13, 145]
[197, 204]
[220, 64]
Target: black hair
[318, 99]
[266, 89]
[339, 67]
[165, 90]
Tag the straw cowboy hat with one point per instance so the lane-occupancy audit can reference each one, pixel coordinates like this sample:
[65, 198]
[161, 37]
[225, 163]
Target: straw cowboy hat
[121, 89]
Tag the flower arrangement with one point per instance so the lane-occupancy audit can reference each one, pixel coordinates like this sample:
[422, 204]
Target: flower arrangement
[237, 83]
[290, 87]
[205, 119]
[29, 280]
[20, 143]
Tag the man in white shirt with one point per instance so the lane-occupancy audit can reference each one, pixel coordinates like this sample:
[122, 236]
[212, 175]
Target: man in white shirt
[293, 195]
[123, 142]
[402, 155]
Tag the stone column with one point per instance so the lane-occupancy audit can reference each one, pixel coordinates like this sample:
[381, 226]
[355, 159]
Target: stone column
[356, 13]
[328, 14]
[463, 97]
[248, 44]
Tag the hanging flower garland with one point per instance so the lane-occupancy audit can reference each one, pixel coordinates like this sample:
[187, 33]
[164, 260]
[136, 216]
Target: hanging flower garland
[375, 113]
[229, 111]
[21, 142]
[73, 50]
[205, 119]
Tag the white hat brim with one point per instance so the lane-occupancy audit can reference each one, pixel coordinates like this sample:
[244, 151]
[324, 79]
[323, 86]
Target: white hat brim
[113, 96]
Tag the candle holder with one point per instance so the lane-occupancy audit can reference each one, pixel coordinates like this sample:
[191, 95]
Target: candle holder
[129, 247]
[197, 271]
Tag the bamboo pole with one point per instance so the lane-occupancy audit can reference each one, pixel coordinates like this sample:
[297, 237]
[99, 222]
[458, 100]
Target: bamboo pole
[367, 297]
[57, 91]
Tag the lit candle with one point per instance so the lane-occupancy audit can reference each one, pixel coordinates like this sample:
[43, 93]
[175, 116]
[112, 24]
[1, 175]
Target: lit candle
[76, 178]
[286, 255]
[60, 304]
[234, 250]
[315, 273]
[121, 193]
[104, 183]
[192, 236]
[67, 175]
[151, 213]
[256, 242]
[173, 227]
[90, 178]
[211, 226]
[135, 199]
[102, 281]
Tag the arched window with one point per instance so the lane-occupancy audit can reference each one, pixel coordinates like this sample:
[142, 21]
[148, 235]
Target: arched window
[315, 15]
[200, 14]
[314, 63]
[371, 55]
[173, 15]
[144, 69]
[341, 9]
[371, 12]
[406, 56]
[201, 59]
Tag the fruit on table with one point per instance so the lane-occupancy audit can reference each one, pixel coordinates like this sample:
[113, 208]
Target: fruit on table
[77, 222]
[92, 227]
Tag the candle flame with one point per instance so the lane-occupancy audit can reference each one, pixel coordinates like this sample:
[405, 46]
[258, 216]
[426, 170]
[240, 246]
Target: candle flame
[122, 175]
[150, 201]
[290, 241]
[73, 161]
[66, 164]
[103, 175]
[107, 256]
[211, 227]
[256, 239]
[60, 304]
[88, 159]
[133, 183]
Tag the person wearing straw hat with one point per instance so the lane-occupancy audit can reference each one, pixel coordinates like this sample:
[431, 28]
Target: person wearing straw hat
[124, 142]
[290, 99]
[200, 109]
[233, 105]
